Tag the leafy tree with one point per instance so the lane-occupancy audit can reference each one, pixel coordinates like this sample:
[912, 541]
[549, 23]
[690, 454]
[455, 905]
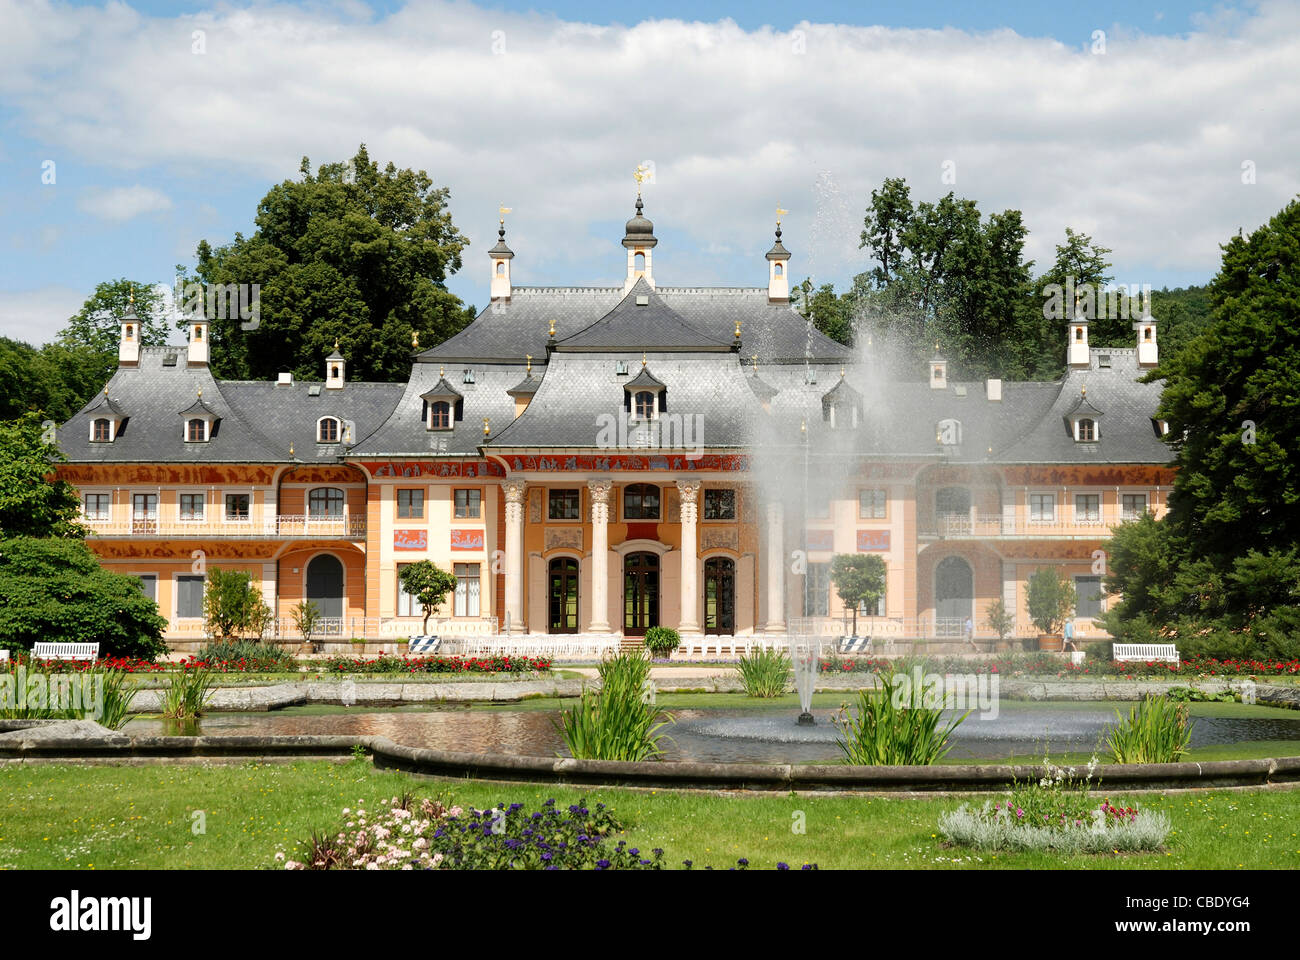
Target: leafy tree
[829, 314]
[306, 618]
[33, 503]
[233, 605]
[1051, 599]
[1220, 573]
[1001, 620]
[350, 253]
[54, 381]
[859, 578]
[56, 590]
[97, 324]
[429, 584]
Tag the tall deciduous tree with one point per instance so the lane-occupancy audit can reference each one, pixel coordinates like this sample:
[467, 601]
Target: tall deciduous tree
[97, 324]
[33, 502]
[350, 253]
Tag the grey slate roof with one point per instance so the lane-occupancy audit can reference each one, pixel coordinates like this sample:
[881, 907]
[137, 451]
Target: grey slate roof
[581, 391]
[507, 330]
[641, 321]
[644, 379]
[288, 414]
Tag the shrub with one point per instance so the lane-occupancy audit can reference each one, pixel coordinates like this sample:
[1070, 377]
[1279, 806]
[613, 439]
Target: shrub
[764, 673]
[187, 694]
[996, 827]
[662, 641]
[429, 584]
[616, 722]
[1157, 730]
[892, 726]
[103, 695]
[233, 606]
[243, 656]
[1051, 598]
[57, 590]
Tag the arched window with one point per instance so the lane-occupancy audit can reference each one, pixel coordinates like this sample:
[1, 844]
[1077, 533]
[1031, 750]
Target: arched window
[327, 430]
[1078, 333]
[641, 502]
[103, 431]
[501, 268]
[1087, 429]
[196, 430]
[130, 332]
[645, 405]
[1146, 334]
[325, 502]
[779, 269]
[639, 261]
[198, 333]
[440, 416]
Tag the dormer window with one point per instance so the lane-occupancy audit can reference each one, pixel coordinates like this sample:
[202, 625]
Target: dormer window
[1085, 430]
[196, 430]
[101, 430]
[469, 377]
[327, 430]
[644, 405]
[440, 415]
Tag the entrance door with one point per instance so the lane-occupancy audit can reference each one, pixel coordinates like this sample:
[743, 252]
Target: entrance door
[563, 595]
[640, 593]
[954, 596]
[719, 595]
[325, 589]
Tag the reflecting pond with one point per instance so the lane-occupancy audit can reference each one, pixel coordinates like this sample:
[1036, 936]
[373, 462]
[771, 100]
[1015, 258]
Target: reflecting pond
[760, 735]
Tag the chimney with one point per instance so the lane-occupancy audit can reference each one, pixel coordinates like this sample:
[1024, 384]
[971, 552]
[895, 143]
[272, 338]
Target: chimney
[938, 371]
[1147, 352]
[285, 379]
[1077, 354]
[994, 390]
[198, 341]
[128, 347]
[501, 256]
[778, 267]
[335, 369]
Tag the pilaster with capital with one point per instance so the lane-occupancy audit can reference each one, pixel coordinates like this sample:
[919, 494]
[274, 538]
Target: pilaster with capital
[601, 491]
[689, 491]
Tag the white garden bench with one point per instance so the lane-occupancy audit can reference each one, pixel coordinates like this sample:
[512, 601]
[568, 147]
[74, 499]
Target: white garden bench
[1145, 651]
[424, 645]
[65, 651]
[4, 654]
[855, 645]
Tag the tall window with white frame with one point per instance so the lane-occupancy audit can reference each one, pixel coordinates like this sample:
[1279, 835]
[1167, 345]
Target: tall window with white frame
[410, 504]
[407, 605]
[238, 506]
[1042, 508]
[1087, 508]
[469, 504]
[191, 507]
[872, 504]
[189, 597]
[97, 506]
[819, 589]
[1134, 505]
[467, 590]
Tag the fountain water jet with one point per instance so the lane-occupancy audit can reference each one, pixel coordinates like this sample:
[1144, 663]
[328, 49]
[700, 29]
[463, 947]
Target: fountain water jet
[805, 658]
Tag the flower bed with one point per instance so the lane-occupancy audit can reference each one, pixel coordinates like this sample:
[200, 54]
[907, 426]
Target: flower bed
[1055, 665]
[387, 663]
[124, 664]
[401, 833]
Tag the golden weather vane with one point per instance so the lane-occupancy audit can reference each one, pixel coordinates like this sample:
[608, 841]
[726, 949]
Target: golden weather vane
[641, 175]
[779, 214]
[503, 210]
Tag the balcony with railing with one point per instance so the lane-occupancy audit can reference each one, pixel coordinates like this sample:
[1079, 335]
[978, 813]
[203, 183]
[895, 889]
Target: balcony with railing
[345, 527]
[962, 526]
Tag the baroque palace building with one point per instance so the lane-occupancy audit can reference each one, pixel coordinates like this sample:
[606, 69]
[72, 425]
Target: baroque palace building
[600, 460]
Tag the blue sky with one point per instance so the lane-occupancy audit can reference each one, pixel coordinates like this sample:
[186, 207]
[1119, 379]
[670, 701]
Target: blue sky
[154, 147]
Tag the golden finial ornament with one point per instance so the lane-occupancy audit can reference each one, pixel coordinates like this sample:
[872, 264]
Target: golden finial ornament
[641, 175]
[291, 451]
[415, 340]
[643, 358]
[200, 393]
[552, 329]
[737, 329]
[336, 343]
[502, 210]
[803, 426]
[529, 366]
[442, 371]
[487, 426]
[1083, 391]
[753, 362]
[841, 372]
[779, 214]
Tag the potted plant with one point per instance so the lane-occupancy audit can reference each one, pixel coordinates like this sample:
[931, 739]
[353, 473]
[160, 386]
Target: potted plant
[1002, 622]
[1051, 598]
[306, 617]
[662, 642]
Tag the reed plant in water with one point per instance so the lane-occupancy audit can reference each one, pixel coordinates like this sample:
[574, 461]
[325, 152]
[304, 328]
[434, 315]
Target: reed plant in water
[187, 694]
[1157, 730]
[765, 673]
[894, 726]
[619, 721]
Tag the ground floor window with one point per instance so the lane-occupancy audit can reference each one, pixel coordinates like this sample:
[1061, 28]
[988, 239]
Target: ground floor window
[407, 605]
[189, 597]
[818, 598]
[1089, 597]
[149, 586]
[876, 610]
[467, 590]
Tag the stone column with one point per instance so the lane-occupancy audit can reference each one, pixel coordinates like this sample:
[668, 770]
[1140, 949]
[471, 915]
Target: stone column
[600, 495]
[775, 569]
[514, 489]
[690, 493]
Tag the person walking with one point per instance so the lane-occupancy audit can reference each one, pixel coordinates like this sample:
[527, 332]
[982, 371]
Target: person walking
[970, 632]
[1068, 644]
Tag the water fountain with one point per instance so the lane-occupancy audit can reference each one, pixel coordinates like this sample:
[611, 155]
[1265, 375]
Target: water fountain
[805, 658]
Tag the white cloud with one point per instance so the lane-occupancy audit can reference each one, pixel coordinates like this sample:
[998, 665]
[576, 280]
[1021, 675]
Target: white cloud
[1141, 146]
[34, 316]
[123, 203]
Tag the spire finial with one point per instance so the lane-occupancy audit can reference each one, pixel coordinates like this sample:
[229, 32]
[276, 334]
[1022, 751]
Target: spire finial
[106, 391]
[487, 426]
[291, 451]
[442, 371]
[643, 358]
[415, 339]
[502, 210]
[753, 362]
[641, 175]
[779, 214]
[737, 329]
[200, 393]
[131, 293]
[841, 371]
[552, 328]
[529, 365]
[336, 343]
[1083, 391]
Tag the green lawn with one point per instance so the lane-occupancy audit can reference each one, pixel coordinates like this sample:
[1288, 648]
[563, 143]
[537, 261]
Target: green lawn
[101, 817]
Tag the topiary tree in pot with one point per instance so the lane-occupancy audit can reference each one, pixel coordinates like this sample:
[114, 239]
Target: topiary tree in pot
[1051, 599]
